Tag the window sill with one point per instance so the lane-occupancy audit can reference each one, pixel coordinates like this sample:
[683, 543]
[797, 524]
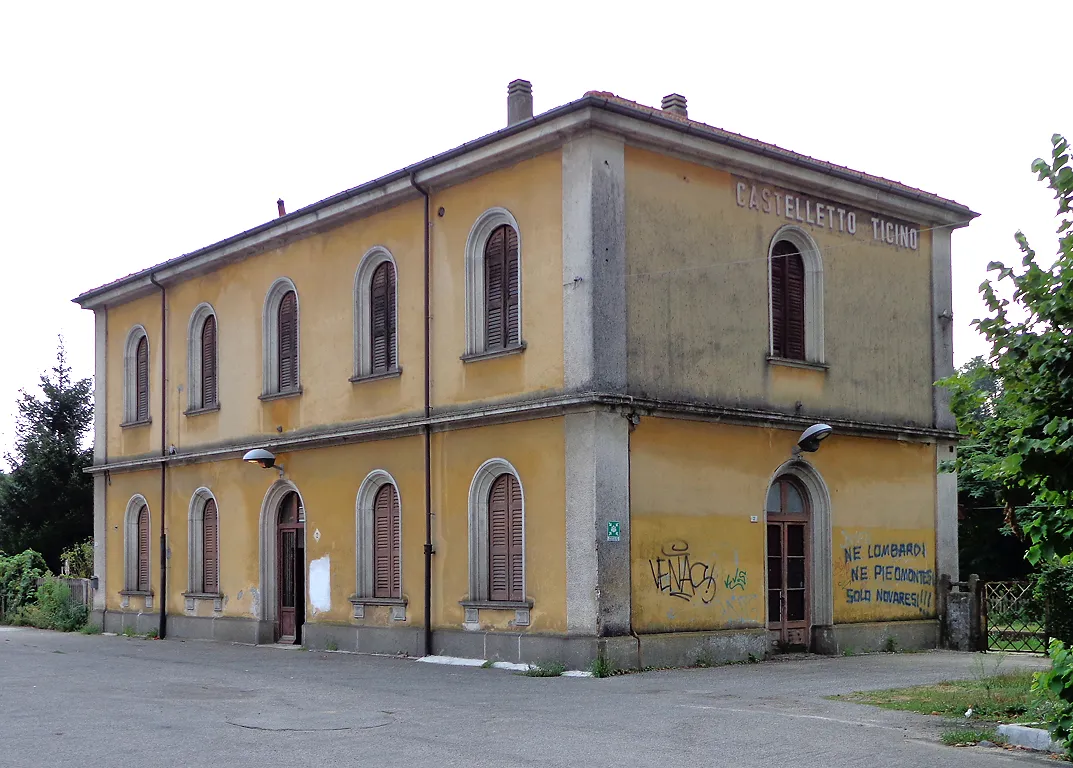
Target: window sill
[280, 395]
[397, 605]
[133, 424]
[135, 593]
[127, 594]
[199, 411]
[790, 363]
[192, 599]
[473, 608]
[473, 357]
[394, 373]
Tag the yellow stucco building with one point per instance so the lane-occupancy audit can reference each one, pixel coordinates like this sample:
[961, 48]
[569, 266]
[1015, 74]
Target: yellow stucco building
[537, 398]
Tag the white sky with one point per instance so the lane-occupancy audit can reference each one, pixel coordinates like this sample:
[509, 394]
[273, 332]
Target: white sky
[135, 132]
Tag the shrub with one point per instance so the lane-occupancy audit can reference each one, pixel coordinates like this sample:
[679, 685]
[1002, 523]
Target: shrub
[1059, 681]
[1054, 587]
[56, 608]
[78, 560]
[18, 579]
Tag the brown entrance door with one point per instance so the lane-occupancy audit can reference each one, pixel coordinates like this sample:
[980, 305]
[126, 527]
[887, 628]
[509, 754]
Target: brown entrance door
[788, 564]
[290, 564]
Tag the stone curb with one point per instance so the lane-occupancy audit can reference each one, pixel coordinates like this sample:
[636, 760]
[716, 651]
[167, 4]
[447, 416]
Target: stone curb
[1030, 738]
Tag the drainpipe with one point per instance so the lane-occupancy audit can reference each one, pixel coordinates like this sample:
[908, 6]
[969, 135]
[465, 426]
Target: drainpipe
[162, 629]
[429, 551]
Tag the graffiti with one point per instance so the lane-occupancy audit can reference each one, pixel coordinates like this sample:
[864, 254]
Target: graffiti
[739, 579]
[871, 582]
[675, 574]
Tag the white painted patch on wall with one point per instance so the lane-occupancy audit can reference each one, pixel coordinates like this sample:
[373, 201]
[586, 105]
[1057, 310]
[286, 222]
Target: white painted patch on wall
[320, 585]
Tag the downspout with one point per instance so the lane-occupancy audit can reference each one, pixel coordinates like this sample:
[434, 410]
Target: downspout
[429, 551]
[162, 629]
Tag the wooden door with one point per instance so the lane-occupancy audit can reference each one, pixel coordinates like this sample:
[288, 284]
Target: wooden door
[290, 567]
[788, 565]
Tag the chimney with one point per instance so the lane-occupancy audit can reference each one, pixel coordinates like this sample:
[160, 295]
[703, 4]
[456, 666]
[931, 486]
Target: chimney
[519, 101]
[281, 207]
[676, 103]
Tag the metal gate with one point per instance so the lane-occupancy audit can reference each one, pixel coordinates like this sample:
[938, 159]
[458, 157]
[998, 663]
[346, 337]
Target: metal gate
[1015, 620]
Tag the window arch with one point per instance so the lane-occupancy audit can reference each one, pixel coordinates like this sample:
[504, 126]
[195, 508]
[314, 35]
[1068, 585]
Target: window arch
[497, 534]
[203, 360]
[493, 284]
[136, 547]
[379, 539]
[136, 377]
[204, 544]
[376, 315]
[795, 296]
[281, 340]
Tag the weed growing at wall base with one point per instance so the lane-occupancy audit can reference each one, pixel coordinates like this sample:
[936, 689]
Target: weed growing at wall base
[967, 737]
[546, 669]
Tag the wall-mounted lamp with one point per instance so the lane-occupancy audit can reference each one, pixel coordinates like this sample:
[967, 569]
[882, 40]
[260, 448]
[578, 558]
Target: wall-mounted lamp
[264, 459]
[810, 439]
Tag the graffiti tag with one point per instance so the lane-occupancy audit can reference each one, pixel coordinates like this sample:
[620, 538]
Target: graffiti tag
[675, 574]
[739, 580]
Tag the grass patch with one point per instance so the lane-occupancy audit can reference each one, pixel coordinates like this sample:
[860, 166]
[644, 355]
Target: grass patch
[545, 669]
[965, 737]
[601, 667]
[1006, 697]
[91, 629]
[487, 664]
[331, 645]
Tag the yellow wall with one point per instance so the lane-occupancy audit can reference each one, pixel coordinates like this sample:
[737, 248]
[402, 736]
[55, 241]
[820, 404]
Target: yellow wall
[698, 309]
[694, 487]
[328, 481]
[322, 268]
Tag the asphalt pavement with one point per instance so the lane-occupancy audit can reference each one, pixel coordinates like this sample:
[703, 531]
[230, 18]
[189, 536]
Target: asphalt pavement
[77, 700]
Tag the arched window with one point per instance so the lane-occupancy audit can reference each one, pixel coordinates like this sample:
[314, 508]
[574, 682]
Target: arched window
[379, 546]
[497, 535]
[136, 551]
[796, 296]
[136, 377]
[281, 339]
[787, 302]
[376, 342]
[204, 545]
[387, 571]
[203, 360]
[493, 285]
[505, 582]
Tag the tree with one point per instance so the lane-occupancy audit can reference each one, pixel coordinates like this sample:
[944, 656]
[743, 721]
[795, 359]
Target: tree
[1031, 337]
[989, 527]
[46, 501]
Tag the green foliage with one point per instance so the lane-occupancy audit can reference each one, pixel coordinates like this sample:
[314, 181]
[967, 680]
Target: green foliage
[128, 631]
[55, 608]
[77, 560]
[545, 669]
[91, 629]
[46, 502]
[1058, 681]
[1054, 587]
[965, 737]
[488, 663]
[601, 667]
[18, 579]
[890, 645]
[331, 645]
[1032, 357]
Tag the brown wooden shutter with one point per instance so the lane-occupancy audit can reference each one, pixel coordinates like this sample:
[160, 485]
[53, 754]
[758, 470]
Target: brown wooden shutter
[513, 327]
[387, 574]
[795, 307]
[494, 283]
[142, 380]
[499, 539]
[208, 362]
[787, 302]
[211, 555]
[143, 549]
[288, 342]
[383, 318]
[517, 585]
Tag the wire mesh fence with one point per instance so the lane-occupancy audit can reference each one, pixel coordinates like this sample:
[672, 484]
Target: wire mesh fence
[1015, 617]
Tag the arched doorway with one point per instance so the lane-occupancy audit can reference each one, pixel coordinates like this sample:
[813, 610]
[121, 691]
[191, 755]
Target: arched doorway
[290, 564]
[789, 563]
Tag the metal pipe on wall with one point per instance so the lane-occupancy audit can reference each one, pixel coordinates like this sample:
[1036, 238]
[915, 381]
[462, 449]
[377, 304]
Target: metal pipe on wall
[429, 551]
[162, 628]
